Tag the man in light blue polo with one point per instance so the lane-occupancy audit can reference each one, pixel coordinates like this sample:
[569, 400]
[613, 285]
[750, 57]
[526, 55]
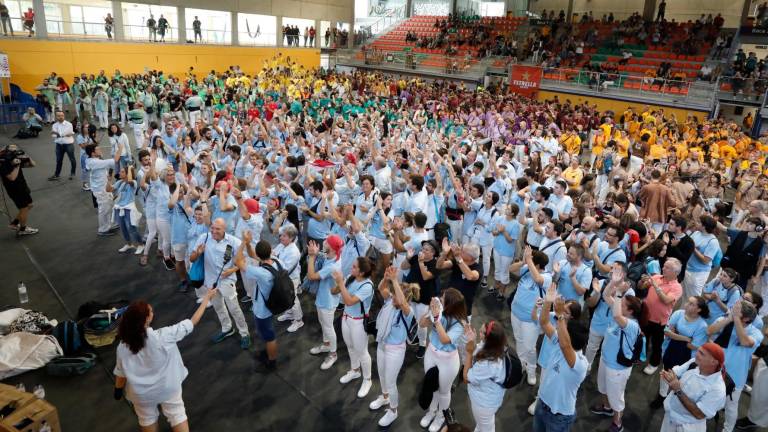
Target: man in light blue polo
[605, 253]
[572, 275]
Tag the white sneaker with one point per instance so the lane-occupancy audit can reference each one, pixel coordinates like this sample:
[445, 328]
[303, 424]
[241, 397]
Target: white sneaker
[531, 379]
[650, 370]
[365, 387]
[329, 361]
[427, 419]
[199, 300]
[287, 316]
[295, 326]
[322, 348]
[139, 250]
[349, 376]
[747, 389]
[378, 403]
[437, 423]
[389, 417]
[125, 248]
[532, 407]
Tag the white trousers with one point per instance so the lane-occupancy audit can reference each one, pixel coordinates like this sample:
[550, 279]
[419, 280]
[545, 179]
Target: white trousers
[354, 335]
[758, 402]
[296, 312]
[173, 410]
[501, 265]
[138, 135]
[693, 283]
[485, 418]
[448, 364]
[668, 426]
[389, 360]
[455, 226]
[732, 410]
[225, 303]
[419, 310]
[103, 120]
[194, 116]
[105, 203]
[593, 344]
[325, 317]
[487, 253]
[164, 237]
[602, 187]
[612, 383]
[526, 334]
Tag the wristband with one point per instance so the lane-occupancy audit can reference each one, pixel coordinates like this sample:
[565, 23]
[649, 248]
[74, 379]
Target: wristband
[118, 393]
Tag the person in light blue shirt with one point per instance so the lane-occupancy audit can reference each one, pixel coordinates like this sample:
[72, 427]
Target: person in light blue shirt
[700, 264]
[485, 373]
[318, 225]
[721, 294]
[471, 210]
[566, 367]
[605, 253]
[180, 222]
[506, 230]
[223, 205]
[532, 285]
[572, 275]
[356, 294]
[264, 274]
[125, 212]
[446, 318]
[621, 334]
[552, 244]
[199, 226]
[326, 300]
[742, 343]
[392, 324]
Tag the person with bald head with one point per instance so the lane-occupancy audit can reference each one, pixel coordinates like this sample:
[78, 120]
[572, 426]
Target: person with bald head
[217, 249]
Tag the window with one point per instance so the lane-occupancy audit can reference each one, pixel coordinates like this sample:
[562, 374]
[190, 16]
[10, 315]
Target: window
[16, 10]
[303, 26]
[431, 7]
[325, 28]
[88, 20]
[215, 26]
[256, 29]
[493, 9]
[135, 18]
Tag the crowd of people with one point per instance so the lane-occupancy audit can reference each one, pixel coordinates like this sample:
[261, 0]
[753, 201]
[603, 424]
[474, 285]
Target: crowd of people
[400, 201]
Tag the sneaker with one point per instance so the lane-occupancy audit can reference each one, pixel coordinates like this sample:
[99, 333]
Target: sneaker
[420, 352]
[223, 335]
[245, 342]
[747, 389]
[427, 419]
[389, 417]
[349, 376]
[139, 250]
[650, 370]
[105, 233]
[114, 228]
[329, 361]
[601, 410]
[125, 248]
[322, 348]
[437, 423]
[200, 300]
[484, 283]
[170, 265]
[378, 403]
[287, 316]
[295, 326]
[246, 299]
[616, 428]
[657, 403]
[531, 379]
[500, 296]
[532, 407]
[86, 187]
[14, 227]
[27, 231]
[71, 176]
[183, 287]
[53, 178]
[365, 387]
[745, 423]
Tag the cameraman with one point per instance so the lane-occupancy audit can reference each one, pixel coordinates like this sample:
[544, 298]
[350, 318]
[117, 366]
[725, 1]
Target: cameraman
[745, 245]
[12, 160]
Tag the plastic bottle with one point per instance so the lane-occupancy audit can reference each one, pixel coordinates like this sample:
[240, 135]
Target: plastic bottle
[39, 391]
[21, 387]
[23, 297]
[45, 427]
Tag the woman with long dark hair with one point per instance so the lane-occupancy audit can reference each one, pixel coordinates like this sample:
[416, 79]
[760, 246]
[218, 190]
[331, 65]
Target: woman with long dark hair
[149, 369]
[484, 373]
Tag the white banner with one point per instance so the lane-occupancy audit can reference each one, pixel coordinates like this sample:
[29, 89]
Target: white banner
[5, 67]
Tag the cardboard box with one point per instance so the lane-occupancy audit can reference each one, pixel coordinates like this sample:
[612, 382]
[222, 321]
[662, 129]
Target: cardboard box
[12, 400]
[31, 418]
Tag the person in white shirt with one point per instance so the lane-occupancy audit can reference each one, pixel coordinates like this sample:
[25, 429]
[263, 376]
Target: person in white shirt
[149, 369]
[64, 139]
[99, 170]
[287, 253]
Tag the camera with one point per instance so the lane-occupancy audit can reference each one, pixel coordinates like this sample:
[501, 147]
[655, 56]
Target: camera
[11, 153]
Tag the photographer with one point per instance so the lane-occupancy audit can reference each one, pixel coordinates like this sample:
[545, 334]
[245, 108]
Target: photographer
[12, 162]
[744, 249]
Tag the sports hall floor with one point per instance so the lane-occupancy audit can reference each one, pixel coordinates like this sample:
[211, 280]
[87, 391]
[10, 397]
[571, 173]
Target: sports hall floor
[66, 264]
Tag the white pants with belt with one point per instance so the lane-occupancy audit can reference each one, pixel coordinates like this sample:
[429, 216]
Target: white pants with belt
[225, 303]
[485, 418]
[447, 363]
[105, 203]
[526, 334]
[353, 332]
[389, 360]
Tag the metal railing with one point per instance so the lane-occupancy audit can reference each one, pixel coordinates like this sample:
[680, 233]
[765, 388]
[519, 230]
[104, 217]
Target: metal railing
[261, 39]
[741, 89]
[15, 28]
[392, 17]
[82, 29]
[409, 60]
[600, 82]
[215, 37]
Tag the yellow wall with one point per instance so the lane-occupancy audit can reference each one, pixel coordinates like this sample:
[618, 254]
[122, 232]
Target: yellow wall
[32, 60]
[619, 106]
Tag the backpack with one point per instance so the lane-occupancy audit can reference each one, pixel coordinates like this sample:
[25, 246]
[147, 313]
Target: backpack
[411, 331]
[637, 350]
[68, 335]
[71, 366]
[637, 269]
[513, 369]
[282, 295]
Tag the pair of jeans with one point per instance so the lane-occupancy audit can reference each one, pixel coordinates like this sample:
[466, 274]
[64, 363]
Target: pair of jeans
[130, 233]
[69, 149]
[544, 420]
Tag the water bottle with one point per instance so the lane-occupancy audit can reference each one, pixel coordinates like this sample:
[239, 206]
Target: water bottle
[23, 297]
[21, 387]
[45, 427]
[39, 391]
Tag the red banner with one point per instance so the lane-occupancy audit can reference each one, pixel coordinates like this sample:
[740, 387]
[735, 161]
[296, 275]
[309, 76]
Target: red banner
[525, 80]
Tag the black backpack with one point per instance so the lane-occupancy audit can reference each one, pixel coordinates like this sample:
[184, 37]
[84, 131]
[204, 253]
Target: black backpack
[637, 269]
[637, 350]
[282, 295]
[68, 335]
[513, 369]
